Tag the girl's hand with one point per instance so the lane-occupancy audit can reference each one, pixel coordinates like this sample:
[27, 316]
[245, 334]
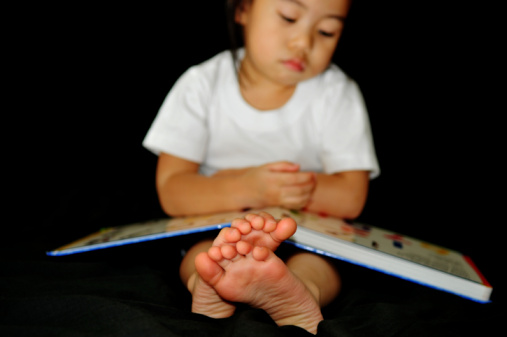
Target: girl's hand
[279, 184]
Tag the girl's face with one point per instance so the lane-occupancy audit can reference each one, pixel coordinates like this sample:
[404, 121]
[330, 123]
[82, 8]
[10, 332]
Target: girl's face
[289, 41]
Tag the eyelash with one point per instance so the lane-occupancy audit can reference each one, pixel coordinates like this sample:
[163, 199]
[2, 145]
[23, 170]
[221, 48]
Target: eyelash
[326, 34]
[290, 20]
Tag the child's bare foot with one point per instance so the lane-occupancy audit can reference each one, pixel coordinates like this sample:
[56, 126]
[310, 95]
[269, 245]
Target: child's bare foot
[256, 276]
[206, 301]
[258, 230]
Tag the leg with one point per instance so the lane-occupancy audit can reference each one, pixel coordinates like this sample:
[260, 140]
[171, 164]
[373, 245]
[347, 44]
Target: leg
[187, 267]
[318, 275]
[205, 299]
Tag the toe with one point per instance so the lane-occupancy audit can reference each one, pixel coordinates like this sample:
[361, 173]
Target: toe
[256, 221]
[229, 252]
[231, 235]
[269, 225]
[266, 216]
[284, 229]
[227, 235]
[208, 269]
[261, 253]
[244, 247]
[242, 225]
[215, 253]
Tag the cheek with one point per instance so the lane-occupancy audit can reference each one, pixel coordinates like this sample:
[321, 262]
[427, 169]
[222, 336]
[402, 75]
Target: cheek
[321, 58]
[329, 46]
[263, 40]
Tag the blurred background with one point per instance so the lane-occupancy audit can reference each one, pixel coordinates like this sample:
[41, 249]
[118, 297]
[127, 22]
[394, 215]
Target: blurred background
[86, 81]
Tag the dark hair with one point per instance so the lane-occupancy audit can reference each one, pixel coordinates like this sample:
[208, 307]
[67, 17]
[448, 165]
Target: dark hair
[235, 30]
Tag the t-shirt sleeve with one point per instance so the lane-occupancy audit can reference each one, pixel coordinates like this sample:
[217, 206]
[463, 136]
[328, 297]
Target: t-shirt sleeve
[180, 127]
[347, 142]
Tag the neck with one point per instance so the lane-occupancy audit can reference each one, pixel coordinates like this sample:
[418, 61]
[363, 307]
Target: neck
[261, 93]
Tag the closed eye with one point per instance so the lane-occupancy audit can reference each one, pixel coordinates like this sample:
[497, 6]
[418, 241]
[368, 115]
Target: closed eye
[326, 34]
[287, 19]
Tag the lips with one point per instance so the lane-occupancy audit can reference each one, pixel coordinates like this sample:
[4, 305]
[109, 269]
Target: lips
[295, 64]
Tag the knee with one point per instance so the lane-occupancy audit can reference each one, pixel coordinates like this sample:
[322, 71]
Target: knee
[318, 270]
[187, 266]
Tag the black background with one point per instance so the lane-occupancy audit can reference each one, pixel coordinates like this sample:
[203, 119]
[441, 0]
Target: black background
[85, 82]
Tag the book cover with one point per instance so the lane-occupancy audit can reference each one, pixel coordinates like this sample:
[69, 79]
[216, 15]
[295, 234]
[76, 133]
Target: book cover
[357, 243]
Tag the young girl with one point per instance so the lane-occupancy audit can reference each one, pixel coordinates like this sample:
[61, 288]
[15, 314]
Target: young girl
[271, 124]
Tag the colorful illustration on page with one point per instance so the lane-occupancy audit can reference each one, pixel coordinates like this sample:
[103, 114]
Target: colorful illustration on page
[331, 226]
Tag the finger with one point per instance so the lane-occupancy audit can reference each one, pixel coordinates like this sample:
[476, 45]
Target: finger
[283, 166]
[295, 204]
[297, 178]
[296, 201]
[297, 190]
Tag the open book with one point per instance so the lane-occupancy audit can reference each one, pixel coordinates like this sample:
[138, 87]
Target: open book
[357, 243]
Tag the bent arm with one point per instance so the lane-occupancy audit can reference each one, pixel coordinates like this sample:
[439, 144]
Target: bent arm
[341, 194]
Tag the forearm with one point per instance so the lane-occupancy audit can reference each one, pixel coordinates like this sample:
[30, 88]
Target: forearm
[191, 193]
[341, 195]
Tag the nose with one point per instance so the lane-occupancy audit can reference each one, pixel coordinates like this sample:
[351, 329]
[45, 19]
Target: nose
[301, 41]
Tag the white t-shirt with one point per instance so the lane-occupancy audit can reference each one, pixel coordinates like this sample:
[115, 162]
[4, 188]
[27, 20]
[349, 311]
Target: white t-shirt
[324, 126]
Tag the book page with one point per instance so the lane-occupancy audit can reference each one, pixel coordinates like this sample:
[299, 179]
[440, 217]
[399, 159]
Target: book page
[414, 250]
[193, 222]
[391, 243]
[334, 227]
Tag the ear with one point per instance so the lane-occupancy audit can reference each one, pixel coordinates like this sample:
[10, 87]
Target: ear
[241, 14]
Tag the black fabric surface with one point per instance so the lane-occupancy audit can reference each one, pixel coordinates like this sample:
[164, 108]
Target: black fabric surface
[135, 291]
